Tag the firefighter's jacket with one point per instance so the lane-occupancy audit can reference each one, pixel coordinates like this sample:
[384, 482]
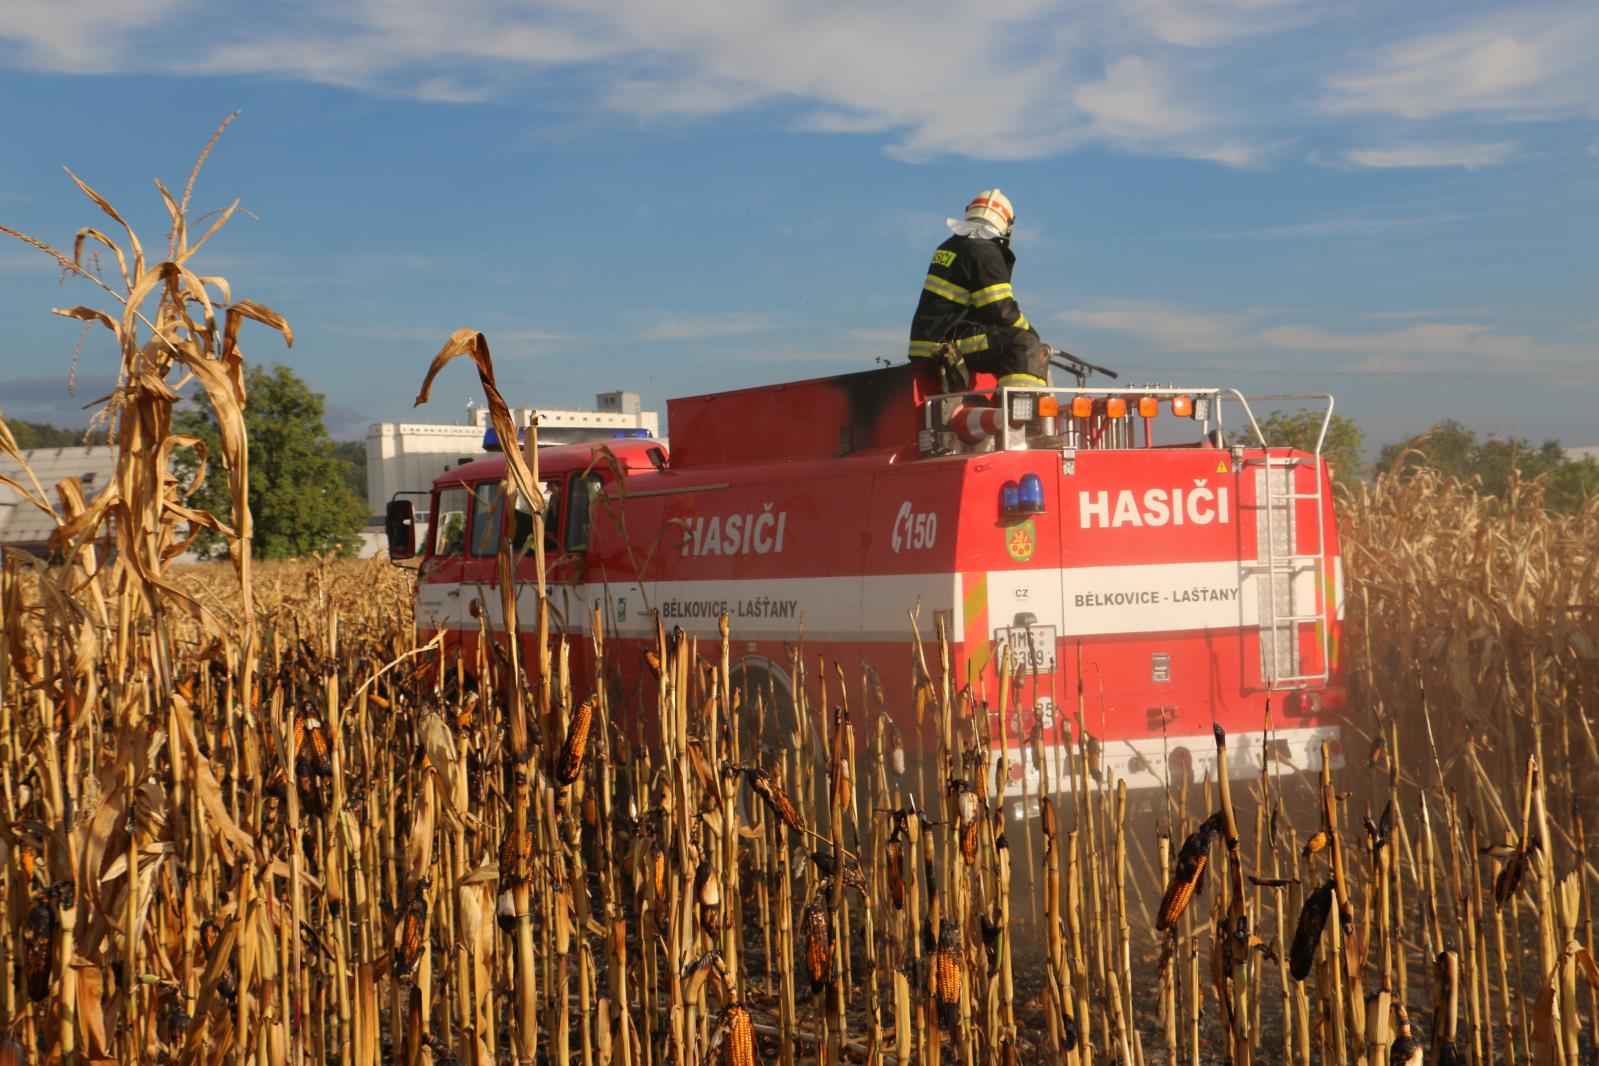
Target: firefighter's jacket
[966, 297]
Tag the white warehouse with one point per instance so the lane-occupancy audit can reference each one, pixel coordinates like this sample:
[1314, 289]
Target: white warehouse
[407, 456]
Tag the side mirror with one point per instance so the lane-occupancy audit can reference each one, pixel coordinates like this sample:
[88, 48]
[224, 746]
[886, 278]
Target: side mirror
[399, 522]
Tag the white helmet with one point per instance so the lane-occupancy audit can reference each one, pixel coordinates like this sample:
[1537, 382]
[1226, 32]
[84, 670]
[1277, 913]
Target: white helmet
[993, 207]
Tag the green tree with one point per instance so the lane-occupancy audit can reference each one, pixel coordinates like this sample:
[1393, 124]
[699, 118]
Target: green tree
[299, 496]
[1298, 429]
[352, 453]
[1454, 451]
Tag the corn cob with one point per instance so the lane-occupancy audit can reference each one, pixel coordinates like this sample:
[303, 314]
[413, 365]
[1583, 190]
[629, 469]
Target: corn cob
[1307, 934]
[948, 971]
[971, 834]
[1187, 872]
[313, 753]
[818, 945]
[657, 873]
[321, 747]
[738, 1037]
[827, 867]
[1317, 842]
[1508, 880]
[210, 935]
[516, 853]
[990, 930]
[570, 764]
[762, 782]
[896, 871]
[464, 712]
[38, 946]
[412, 933]
[28, 860]
[708, 893]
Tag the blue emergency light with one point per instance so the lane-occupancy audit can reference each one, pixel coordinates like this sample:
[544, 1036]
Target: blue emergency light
[491, 439]
[1024, 498]
[1032, 495]
[630, 434]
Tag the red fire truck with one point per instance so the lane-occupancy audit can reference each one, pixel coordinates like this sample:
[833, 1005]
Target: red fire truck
[1191, 569]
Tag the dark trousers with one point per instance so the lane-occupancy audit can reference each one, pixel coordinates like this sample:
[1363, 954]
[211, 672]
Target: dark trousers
[1012, 351]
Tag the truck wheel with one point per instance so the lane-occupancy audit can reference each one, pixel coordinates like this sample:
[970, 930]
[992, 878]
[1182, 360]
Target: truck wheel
[765, 716]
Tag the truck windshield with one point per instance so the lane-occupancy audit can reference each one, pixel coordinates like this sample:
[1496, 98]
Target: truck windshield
[486, 518]
[449, 522]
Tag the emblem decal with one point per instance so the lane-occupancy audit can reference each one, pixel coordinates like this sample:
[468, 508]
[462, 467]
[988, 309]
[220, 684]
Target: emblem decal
[1020, 540]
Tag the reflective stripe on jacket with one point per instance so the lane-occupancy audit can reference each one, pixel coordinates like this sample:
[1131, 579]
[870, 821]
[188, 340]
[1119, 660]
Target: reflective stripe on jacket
[967, 294]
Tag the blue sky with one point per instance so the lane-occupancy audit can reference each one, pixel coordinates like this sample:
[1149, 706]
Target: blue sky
[1398, 204]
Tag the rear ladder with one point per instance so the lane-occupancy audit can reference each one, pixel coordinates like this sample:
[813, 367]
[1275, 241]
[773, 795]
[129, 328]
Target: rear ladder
[1284, 602]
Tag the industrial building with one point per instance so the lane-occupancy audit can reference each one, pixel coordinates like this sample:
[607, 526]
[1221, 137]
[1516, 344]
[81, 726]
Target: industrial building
[407, 456]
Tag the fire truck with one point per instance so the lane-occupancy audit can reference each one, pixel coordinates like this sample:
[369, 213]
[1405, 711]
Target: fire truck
[1149, 564]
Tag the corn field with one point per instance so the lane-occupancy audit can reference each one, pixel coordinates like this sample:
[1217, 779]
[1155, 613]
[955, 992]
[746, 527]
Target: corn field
[246, 816]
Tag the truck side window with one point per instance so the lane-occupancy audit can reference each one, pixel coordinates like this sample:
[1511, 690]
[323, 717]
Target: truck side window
[585, 487]
[552, 516]
[486, 518]
[449, 522]
[522, 520]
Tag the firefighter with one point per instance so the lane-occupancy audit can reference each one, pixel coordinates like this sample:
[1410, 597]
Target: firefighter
[967, 319]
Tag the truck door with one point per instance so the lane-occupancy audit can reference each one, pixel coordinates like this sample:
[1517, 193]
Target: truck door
[1012, 598]
[912, 531]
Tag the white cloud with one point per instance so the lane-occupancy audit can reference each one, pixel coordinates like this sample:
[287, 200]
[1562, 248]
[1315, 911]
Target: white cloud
[1470, 156]
[1438, 347]
[1350, 225]
[1527, 61]
[77, 35]
[1207, 23]
[1168, 327]
[1200, 79]
[710, 327]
